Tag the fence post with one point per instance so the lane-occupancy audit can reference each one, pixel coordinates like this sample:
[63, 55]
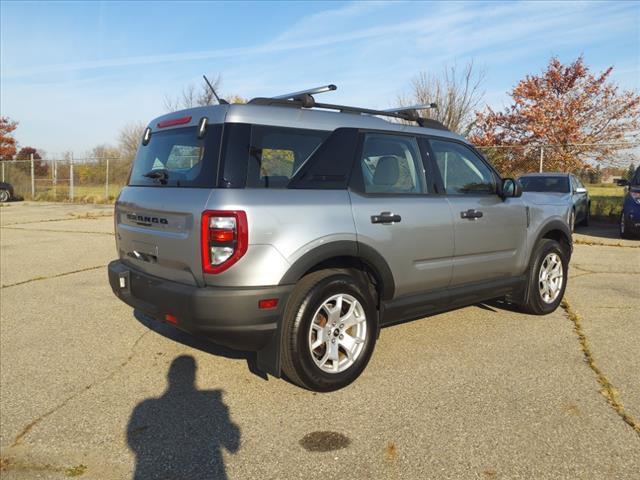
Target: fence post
[33, 178]
[71, 177]
[106, 181]
[2, 171]
[541, 157]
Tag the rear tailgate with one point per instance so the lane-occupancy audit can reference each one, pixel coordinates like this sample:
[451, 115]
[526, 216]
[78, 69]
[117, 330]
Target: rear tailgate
[158, 231]
[157, 216]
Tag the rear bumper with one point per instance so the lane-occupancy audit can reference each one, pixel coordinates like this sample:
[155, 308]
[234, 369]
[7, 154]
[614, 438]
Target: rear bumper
[226, 316]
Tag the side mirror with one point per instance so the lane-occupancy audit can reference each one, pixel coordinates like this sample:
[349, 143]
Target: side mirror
[510, 188]
[622, 182]
[581, 190]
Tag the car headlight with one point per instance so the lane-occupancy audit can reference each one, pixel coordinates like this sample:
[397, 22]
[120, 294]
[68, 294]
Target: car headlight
[635, 196]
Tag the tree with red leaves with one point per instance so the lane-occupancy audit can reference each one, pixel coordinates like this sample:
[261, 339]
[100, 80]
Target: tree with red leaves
[7, 142]
[583, 118]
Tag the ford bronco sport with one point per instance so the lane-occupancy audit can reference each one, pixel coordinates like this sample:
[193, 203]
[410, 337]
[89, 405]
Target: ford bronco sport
[298, 229]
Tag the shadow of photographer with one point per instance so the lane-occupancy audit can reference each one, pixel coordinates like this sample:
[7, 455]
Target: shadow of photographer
[181, 434]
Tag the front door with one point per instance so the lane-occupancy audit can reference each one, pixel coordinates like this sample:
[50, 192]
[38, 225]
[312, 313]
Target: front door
[489, 232]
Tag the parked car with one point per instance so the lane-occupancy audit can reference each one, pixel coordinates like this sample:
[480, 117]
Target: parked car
[6, 192]
[630, 217]
[565, 186]
[299, 232]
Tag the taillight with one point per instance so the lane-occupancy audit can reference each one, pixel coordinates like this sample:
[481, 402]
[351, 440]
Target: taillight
[224, 238]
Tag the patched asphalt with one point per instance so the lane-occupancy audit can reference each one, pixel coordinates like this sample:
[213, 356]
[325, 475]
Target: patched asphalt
[482, 392]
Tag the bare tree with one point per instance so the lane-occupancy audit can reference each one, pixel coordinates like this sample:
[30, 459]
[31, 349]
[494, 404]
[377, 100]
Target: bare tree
[457, 95]
[193, 96]
[130, 137]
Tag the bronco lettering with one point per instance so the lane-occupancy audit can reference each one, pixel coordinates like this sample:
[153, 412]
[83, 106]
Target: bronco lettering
[147, 220]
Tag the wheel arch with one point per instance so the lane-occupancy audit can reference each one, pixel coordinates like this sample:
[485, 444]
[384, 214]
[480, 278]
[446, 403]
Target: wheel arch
[558, 231]
[348, 255]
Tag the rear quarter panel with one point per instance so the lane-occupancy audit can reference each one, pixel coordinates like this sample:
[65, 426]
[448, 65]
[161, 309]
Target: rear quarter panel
[284, 225]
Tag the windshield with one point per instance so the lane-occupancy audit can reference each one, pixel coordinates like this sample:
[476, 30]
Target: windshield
[178, 158]
[545, 184]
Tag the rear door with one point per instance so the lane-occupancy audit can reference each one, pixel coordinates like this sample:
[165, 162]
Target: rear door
[158, 214]
[398, 215]
[489, 232]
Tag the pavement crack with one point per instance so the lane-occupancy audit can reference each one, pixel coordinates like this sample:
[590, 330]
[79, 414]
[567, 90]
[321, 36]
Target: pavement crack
[58, 275]
[578, 241]
[608, 390]
[25, 431]
[87, 216]
[56, 231]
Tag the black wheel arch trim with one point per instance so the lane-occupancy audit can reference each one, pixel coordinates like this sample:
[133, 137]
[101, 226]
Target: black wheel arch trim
[344, 248]
[551, 226]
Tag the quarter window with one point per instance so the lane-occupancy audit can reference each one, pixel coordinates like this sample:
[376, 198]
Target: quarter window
[462, 170]
[392, 164]
[276, 153]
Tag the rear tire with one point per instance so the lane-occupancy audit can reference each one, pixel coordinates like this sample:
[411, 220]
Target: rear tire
[587, 217]
[5, 196]
[329, 331]
[548, 274]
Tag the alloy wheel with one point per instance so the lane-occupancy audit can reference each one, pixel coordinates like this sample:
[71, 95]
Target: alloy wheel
[338, 333]
[550, 278]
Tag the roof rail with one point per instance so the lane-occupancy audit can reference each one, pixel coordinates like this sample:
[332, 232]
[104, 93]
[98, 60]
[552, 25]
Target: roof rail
[310, 91]
[306, 100]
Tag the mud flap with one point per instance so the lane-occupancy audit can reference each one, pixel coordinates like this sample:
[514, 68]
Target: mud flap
[268, 358]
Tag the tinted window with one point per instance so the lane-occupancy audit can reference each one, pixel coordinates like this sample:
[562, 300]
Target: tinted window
[391, 164]
[330, 165]
[545, 184]
[276, 153]
[177, 158]
[461, 169]
[635, 180]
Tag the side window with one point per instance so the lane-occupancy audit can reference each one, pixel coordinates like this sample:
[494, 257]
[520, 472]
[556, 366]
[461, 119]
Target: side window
[276, 153]
[392, 164]
[462, 170]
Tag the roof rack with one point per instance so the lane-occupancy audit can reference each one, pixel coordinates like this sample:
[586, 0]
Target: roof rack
[310, 91]
[305, 99]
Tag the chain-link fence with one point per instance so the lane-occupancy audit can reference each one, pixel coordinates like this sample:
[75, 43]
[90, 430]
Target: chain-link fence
[100, 179]
[91, 180]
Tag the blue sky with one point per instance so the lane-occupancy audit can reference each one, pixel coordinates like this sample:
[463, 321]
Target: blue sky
[74, 73]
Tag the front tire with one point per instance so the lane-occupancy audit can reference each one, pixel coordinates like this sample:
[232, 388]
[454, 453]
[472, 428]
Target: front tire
[329, 330]
[624, 232]
[548, 274]
[5, 196]
[572, 221]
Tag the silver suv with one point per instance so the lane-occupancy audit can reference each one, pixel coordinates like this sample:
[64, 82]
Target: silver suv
[298, 229]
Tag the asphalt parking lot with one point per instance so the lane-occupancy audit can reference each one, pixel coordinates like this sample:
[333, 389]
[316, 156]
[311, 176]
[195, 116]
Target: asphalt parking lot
[89, 390]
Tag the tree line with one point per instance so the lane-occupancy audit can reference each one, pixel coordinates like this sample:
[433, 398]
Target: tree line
[581, 119]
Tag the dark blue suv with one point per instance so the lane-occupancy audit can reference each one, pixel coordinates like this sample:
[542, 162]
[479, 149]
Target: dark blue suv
[630, 218]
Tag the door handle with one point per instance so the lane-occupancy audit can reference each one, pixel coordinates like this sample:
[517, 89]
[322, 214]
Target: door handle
[386, 217]
[471, 214]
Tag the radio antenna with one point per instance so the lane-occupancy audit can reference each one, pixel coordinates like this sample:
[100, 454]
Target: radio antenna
[221, 101]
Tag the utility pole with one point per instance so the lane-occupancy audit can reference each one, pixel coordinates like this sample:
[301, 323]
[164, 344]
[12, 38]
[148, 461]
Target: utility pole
[541, 157]
[106, 181]
[71, 177]
[33, 178]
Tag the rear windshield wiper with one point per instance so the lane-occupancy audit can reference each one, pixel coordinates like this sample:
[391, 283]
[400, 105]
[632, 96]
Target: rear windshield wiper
[160, 174]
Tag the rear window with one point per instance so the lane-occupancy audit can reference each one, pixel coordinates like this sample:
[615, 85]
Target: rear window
[178, 158]
[545, 184]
